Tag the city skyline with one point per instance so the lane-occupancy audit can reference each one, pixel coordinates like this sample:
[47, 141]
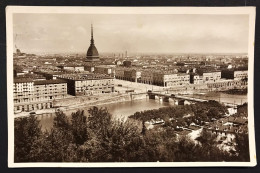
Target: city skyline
[66, 33]
[104, 82]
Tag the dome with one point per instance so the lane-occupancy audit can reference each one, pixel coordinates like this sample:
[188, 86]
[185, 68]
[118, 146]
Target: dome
[92, 51]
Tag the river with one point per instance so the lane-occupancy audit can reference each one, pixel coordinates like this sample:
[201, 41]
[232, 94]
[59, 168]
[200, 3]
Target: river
[125, 109]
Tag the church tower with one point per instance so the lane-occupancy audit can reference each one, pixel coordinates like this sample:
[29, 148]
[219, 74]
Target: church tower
[92, 54]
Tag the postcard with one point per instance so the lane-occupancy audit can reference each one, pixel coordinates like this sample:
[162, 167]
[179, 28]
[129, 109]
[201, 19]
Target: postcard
[130, 86]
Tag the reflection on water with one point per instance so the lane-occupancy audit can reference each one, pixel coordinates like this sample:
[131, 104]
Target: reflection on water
[125, 109]
[46, 121]
[118, 110]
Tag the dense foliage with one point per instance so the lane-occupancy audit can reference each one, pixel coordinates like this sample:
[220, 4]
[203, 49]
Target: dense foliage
[184, 115]
[99, 138]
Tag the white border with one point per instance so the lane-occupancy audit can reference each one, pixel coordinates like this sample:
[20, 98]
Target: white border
[10, 10]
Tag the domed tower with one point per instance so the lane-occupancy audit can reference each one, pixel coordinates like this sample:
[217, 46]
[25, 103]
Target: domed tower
[92, 54]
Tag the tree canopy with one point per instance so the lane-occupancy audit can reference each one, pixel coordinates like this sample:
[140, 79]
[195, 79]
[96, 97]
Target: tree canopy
[97, 137]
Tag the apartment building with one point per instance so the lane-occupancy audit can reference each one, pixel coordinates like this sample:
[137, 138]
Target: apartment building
[165, 79]
[174, 80]
[129, 74]
[105, 69]
[72, 68]
[31, 95]
[88, 84]
[239, 75]
[147, 77]
[236, 75]
[23, 90]
[211, 77]
[196, 79]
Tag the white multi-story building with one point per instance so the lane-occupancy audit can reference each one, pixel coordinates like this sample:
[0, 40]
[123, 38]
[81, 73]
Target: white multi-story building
[33, 95]
[211, 77]
[173, 80]
[88, 84]
[238, 75]
[196, 79]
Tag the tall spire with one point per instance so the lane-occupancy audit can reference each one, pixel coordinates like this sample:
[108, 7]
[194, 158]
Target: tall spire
[92, 53]
[92, 39]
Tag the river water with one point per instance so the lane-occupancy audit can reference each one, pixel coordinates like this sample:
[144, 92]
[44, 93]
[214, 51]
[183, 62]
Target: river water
[125, 109]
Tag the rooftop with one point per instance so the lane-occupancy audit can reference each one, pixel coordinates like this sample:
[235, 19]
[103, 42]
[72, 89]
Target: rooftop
[50, 72]
[89, 76]
[70, 65]
[201, 72]
[22, 80]
[44, 82]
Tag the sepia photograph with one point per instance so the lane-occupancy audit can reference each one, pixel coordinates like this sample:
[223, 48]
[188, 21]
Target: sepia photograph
[130, 86]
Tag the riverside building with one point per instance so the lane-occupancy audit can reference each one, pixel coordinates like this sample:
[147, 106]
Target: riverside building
[196, 79]
[211, 77]
[33, 95]
[88, 84]
[128, 74]
[236, 75]
[170, 80]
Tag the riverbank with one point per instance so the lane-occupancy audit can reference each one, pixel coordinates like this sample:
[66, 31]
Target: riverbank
[84, 102]
[236, 91]
[76, 103]
[125, 108]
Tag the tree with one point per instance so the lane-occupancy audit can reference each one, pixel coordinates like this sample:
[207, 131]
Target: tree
[26, 131]
[42, 150]
[91, 150]
[61, 121]
[53, 145]
[186, 150]
[207, 139]
[208, 150]
[213, 113]
[143, 128]
[242, 147]
[99, 138]
[117, 140]
[79, 127]
[98, 117]
[242, 110]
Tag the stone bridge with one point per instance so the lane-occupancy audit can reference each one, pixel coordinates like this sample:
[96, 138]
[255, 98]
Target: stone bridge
[179, 99]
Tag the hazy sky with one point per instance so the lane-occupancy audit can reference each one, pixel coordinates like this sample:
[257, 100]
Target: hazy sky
[70, 33]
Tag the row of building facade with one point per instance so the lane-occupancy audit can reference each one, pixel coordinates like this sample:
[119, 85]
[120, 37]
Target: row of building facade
[29, 94]
[170, 79]
[98, 69]
[33, 95]
[88, 84]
